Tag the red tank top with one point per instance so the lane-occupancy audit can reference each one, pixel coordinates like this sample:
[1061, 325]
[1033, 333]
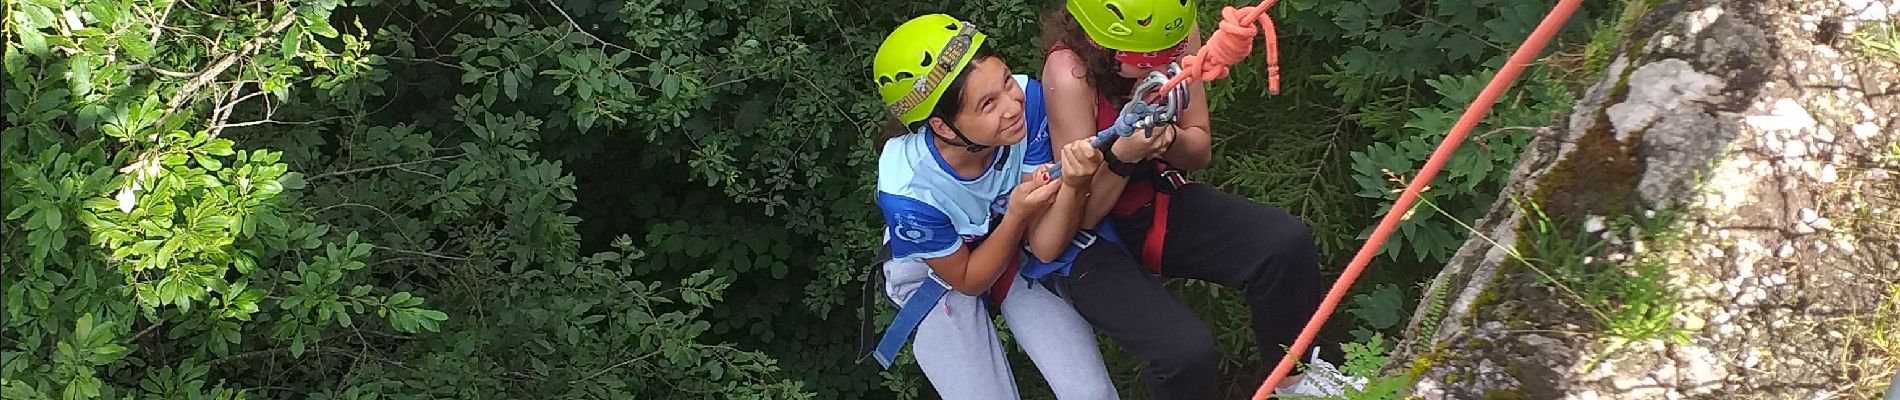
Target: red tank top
[1140, 190]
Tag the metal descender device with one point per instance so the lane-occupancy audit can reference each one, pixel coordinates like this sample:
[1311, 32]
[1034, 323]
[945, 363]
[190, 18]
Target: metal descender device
[1140, 116]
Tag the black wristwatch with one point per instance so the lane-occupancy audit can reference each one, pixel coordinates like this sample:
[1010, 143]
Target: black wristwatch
[1116, 165]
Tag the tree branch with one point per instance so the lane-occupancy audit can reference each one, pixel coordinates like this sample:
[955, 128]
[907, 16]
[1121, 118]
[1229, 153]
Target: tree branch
[143, 332]
[223, 111]
[577, 27]
[313, 349]
[616, 366]
[383, 167]
[160, 71]
[206, 76]
[413, 252]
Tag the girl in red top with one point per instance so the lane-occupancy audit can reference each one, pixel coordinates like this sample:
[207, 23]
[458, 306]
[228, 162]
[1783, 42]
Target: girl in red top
[1097, 51]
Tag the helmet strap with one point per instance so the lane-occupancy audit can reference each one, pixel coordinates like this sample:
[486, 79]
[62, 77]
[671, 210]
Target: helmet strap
[968, 145]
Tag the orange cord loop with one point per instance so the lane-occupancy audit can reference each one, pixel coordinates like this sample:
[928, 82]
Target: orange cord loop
[1231, 43]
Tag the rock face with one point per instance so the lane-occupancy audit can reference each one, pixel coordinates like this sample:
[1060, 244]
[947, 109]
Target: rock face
[1769, 130]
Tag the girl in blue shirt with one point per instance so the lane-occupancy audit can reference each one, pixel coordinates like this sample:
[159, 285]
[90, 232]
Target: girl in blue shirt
[965, 194]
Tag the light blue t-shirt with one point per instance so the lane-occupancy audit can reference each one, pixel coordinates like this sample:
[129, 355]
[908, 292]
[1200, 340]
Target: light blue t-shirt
[930, 211]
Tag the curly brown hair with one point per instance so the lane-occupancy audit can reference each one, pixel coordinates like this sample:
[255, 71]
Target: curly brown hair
[1102, 70]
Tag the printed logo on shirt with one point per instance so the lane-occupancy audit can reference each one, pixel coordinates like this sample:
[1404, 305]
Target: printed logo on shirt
[910, 229]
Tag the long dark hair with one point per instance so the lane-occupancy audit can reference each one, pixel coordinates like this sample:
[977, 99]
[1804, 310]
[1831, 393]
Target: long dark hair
[946, 108]
[1102, 71]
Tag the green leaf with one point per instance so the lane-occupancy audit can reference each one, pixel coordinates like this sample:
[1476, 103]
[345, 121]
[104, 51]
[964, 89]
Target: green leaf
[100, 203]
[670, 86]
[509, 85]
[219, 147]
[320, 26]
[1383, 308]
[296, 347]
[54, 219]
[398, 299]
[32, 41]
[136, 46]
[82, 328]
[1461, 46]
[106, 354]
[1381, 8]
[433, 315]
[81, 68]
[291, 181]
[19, 390]
[208, 162]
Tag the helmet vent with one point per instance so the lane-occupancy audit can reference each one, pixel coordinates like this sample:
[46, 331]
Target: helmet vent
[1117, 10]
[927, 59]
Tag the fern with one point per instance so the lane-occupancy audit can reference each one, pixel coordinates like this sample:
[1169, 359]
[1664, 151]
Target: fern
[1437, 298]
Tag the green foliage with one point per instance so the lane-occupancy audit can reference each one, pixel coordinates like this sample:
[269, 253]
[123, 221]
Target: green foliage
[1623, 288]
[1470, 180]
[1632, 299]
[1880, 40]
[1402, 72]
[1381, 309]
[213, 200]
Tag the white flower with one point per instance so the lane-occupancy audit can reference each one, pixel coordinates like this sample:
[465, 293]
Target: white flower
[126, 200]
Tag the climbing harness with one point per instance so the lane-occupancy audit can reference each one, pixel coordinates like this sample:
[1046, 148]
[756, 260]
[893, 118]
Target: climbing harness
[911, 313]
[909, 316]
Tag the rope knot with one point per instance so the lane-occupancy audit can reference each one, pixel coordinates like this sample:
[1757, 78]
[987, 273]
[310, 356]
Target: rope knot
[1230, 44]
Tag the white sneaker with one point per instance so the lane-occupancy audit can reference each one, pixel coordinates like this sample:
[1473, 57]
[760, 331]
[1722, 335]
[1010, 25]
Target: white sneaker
[1322, 379]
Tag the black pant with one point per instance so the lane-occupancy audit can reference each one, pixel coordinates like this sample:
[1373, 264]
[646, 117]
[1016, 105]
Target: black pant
[1215, 237]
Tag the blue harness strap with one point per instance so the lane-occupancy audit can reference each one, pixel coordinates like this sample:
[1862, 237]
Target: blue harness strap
[931, 291]
[1036, 269]
[910, 315]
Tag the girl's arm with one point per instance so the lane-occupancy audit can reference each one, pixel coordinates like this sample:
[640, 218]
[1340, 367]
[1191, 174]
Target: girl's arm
[1193, 146]
[1050, 234]
[971, 271]
[1071, 104]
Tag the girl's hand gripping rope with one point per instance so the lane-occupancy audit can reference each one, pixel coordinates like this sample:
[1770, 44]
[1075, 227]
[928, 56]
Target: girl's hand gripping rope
[1139, 115]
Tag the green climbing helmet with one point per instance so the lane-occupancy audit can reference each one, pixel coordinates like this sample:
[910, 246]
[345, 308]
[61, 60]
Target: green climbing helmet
[918, 61]
[1137, 26]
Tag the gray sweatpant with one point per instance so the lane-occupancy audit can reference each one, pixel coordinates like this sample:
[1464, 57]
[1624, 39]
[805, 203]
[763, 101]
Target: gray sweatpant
[959, 351]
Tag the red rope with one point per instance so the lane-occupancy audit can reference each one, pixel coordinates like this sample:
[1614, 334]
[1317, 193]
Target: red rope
[1230, 44]
[1520, 59]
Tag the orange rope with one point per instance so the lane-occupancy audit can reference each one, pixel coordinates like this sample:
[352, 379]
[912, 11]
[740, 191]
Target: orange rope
[1230, 44]
[1520, 59]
